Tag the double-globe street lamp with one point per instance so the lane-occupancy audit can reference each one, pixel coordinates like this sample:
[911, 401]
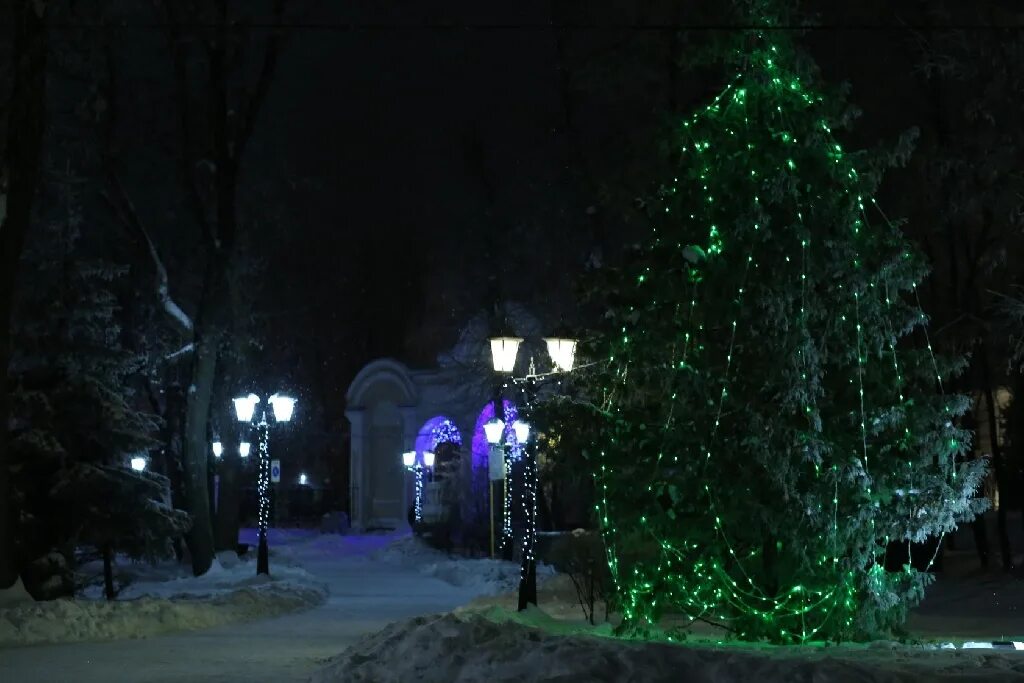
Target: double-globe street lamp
[244, 447]
[418, 467]
[495, 432]
[249, 410]
[503, 354]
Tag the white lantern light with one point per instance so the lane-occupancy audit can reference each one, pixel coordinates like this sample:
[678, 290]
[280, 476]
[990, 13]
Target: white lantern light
[428, 458]
[218, 449]
[138, 463]
[522, 430]
[409, 458]
[303, 479]
[503, 353]
[245, 406]
[562, 352]
[283, 407]
[493, 429]
[243, 449]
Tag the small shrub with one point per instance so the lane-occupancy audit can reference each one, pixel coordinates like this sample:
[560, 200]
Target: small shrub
[581, 555]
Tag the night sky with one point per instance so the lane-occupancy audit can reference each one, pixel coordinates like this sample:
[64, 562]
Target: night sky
[414, 162]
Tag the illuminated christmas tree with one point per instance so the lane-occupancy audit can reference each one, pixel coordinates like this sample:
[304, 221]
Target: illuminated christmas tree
[772, 415]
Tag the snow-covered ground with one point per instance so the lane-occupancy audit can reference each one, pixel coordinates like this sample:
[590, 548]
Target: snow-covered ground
[389, 616]
[372, 580]
[163, 598]
[499, 646]
[487, 640]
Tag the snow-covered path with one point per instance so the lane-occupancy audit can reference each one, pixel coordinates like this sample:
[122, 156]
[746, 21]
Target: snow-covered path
[365, 595]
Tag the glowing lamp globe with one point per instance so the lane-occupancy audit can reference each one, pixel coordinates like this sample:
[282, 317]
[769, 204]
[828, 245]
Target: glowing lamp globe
[503, 353]
[218, 449]
[243, 449]
[562, 352]
[303, 479]
[409, 458]
[283, 407]
[138, 463]
[245, 406]
[522, 430]
[493, 431]
[428, 459]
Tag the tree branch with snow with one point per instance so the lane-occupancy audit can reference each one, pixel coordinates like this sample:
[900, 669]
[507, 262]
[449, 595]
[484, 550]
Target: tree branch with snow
[125, 210]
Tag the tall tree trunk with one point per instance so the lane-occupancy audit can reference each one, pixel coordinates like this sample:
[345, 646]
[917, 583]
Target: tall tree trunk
[195, 459]
[25, 124]
[108, 571]
[997, 457]
[227, 520]
[1015, 429]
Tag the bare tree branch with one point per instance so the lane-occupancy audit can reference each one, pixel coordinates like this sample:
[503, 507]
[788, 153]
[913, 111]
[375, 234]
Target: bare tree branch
[125, 210]
[184, 350]
[252, 108]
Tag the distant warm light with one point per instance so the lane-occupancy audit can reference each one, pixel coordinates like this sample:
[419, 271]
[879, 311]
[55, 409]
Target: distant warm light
[428, 459]
[409, 458]
[493, 429]
[522, 430]
[503, 353]
[243, 449]
[562, 352]
[245, 407]
[218, 449]
[138, 463]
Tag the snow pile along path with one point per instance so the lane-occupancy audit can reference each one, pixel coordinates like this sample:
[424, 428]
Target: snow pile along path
[496, 647]
[162, 600]
[479, 576]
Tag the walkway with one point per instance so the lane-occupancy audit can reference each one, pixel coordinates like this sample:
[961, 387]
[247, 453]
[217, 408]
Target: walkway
[365, 595]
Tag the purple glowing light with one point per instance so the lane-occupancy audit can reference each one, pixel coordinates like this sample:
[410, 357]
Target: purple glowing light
[481, 448]
[437, 430]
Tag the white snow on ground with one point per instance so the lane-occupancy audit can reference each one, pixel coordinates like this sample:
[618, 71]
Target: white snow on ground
[487, 640]
[15, 595]
[161, 599]
[500, 646]
[365, 595]
[479, 577]
[377, 582]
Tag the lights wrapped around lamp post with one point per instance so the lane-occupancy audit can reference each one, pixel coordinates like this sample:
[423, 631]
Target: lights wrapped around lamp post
[563, 357]
[281, 407]
[418, 469]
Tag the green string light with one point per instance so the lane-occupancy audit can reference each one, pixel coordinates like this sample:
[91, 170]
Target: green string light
[789, 263]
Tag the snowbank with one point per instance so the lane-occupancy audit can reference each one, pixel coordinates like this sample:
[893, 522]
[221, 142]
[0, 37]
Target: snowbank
[479, 576]
[500, 646]
[162, 599]
[15, 595]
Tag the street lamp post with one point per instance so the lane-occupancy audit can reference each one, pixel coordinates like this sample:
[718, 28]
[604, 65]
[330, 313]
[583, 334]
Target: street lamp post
[418, 468]
[248, 412]
[494, 430]
[503, 352]
[218, 452]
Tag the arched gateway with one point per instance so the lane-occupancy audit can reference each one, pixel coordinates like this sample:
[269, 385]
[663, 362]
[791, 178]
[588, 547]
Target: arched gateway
[393, 409]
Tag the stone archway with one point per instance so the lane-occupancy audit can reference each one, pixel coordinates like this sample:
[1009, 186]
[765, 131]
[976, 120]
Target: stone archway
[381, 409]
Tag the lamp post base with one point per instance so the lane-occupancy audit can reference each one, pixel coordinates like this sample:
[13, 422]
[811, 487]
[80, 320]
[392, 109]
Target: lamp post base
[263, 554]
[528, 584]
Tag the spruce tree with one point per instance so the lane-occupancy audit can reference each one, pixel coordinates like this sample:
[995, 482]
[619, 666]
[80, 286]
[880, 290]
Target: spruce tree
[76, 421]
[771, 415]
